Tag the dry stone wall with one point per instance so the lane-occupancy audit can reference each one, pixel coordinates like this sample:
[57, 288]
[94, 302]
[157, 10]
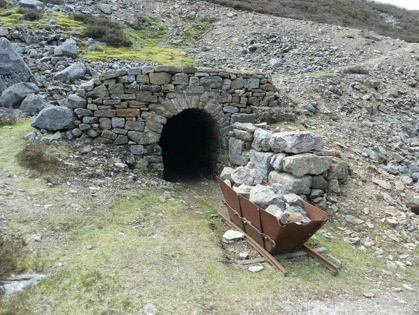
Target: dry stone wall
[131, 107]
[289, 161]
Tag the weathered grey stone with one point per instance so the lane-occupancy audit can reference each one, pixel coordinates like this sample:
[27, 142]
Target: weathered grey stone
[137, 149]
[275, 211]
[261, 140]
[243, 190]
[295, 142]
[13, 69]
[248, 175]
[118, 122]
[237, 84]
[243, 135]
[277, 161]
[154, 126]
[54, 118]
[105, 8]
[252, 83]
[230, 109]
[293, 199]
[4, 32]
[243, 118]
[160, 78]
[213, 82]
[226, 173]
[93, 134]
[33, 104]
[316, 193]
[306, 164]
[148, 116]
[135, 125]
[237, 152]
[261, 162]
[120, 140]
[88, 86]
[75, 101]
[105, 123]
[319, 182]
[76, 132]
[339, 170]
[68, 48]
[109, 134]
[147, 137]
[84, 127]
[293, 184]
[90, 120]
[278, 188]
[82, 112]
[334, 186]
[248, 127]
[181, 79]
[31, 4]
[14, 95]
[264, 196]
[105, 113]
[74, 72]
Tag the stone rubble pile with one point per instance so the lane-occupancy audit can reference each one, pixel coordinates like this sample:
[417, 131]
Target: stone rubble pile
[290, 162]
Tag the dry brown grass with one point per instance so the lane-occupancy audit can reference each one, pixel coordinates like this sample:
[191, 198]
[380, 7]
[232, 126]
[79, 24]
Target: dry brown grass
[350, 13]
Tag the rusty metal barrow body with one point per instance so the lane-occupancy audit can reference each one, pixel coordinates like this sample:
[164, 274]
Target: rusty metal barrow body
[266, 234]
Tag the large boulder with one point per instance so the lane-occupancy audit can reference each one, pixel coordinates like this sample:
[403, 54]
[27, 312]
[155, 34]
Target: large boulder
[264, 196]
[33, 104]
[74, 72]
[14, 95]
[261, 140]
[247, 175]
[295, 142]
[293, 184]
[31, 4]
[261, 162]
[12, 67]
[68, 48]
[55, 118]
[307, 163]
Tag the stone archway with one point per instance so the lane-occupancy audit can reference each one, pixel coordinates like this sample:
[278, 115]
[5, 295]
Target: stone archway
[190, 143]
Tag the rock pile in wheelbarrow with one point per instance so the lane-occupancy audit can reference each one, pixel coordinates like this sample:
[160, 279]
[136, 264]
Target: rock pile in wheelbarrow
[272, 200]
[288, 161]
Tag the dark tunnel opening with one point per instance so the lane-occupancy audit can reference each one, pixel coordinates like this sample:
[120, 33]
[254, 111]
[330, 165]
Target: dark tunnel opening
[189, 143]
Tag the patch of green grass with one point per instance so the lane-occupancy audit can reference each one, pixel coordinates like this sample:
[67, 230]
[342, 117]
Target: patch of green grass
[160, 55]
[106, 30]
[11, 142]
[194, 27]
[12, 258]
[206, 207]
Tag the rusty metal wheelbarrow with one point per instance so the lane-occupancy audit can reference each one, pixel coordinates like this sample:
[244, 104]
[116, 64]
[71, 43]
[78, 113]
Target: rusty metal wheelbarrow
[266, 234]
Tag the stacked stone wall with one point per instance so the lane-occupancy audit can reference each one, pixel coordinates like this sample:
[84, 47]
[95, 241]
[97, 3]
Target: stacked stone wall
[296, 160]
[131, 107]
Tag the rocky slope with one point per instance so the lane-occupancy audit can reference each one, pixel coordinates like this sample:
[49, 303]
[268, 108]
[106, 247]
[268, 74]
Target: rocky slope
[357, 89]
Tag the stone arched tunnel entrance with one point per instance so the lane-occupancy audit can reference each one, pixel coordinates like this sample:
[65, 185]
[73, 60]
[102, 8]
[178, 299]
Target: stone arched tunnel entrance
[177, 120]
[189, 143]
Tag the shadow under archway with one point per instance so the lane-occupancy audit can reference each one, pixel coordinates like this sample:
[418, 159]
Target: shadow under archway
[189, 143]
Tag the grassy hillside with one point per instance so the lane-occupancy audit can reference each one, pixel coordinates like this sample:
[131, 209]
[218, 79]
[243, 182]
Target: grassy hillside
[385, 19]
